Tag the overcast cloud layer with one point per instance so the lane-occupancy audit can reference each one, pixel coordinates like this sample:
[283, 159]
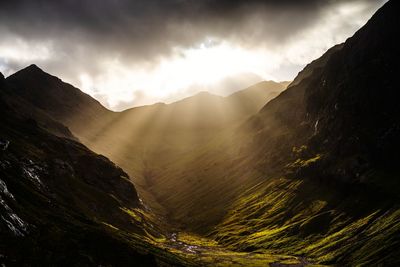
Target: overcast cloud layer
[128, 53]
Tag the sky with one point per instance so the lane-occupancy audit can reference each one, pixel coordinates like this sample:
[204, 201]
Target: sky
[129, 53]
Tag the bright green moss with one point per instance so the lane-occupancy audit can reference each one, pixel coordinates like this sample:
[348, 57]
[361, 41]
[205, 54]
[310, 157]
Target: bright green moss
[272, 217]
[305, 162]
[133, 213]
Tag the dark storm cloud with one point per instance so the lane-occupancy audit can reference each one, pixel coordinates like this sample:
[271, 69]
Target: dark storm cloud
[139, 30]
[73, 37]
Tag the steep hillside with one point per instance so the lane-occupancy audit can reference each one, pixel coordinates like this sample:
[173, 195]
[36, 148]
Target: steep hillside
[60, 203]
[330, 187]
[347, 108]
[60, 100]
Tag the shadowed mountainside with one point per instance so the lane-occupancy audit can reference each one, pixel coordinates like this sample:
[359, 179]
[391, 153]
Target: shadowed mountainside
[59, 100]
[60, 203]
[330, 165]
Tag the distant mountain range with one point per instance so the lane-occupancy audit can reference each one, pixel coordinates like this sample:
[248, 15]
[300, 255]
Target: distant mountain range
[307, 169]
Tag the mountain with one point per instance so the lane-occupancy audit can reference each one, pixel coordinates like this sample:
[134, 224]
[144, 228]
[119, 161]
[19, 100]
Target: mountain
[158, 133]
[74, 108]
[60, 203]
[33, 84]
[315, 65]
[60, 100]
[348, 107]
[79, 111]
[327, 147]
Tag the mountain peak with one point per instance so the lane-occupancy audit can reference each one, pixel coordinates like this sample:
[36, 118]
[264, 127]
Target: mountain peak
[2, 80]
[32, 71]
[33, 68]
[50, 94]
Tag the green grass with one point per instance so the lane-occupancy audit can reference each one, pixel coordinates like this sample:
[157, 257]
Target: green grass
[314, 229]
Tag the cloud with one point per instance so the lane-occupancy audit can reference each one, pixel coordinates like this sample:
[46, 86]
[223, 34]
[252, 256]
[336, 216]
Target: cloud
[71, 38]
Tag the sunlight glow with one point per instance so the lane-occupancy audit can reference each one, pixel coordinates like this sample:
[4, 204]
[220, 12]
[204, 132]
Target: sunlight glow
[203, 66]
[220, 65]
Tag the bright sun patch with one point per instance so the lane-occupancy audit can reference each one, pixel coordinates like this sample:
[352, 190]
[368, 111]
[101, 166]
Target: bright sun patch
[203, 65]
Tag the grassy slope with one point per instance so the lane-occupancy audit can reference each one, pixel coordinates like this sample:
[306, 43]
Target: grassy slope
[298, 218]
[333, 199]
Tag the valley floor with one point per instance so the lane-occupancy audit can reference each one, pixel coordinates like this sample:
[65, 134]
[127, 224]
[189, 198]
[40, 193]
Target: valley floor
[194, 250]
[206, 252]
[200, 251]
